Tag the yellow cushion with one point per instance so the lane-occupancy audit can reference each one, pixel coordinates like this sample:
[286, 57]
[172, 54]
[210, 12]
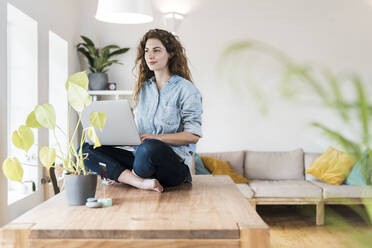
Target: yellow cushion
[332, 167]
[218, 167]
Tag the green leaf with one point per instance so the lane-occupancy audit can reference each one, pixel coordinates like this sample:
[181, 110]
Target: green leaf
[108, 63]
[287, 89]
[106, 50]
[86, 54]
[47, 156]
[115, 61]
[370, 169]
[23, 138]
[349, 146]
[118, 52]
[78, 97]
[31, 121]
[93, 137]
[110, 47]
[363, 109]
[94, 52]
[98, 119]
[309, 79]
[46, 115]
[289, 82]
[79, 79]
[85, 46]
[91, 50]
[12, 169]
[88, 41]
[98, 64]
[338, 101]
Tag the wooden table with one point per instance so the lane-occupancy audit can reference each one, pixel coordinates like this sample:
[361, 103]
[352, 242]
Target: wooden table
[210, 212]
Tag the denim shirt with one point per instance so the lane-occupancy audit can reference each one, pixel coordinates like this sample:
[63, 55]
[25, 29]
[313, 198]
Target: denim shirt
[176, 108]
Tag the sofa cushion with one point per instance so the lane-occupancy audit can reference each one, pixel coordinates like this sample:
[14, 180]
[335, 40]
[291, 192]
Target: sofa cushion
[199, 166]
[245, 190]
[333, 166]
[344, 191]
[219, 167]
[309, 158]
[285, 188]
[236, 159]
[361, 173]
[274, 165]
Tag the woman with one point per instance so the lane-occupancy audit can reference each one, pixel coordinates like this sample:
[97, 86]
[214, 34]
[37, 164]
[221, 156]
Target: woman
[168, 110]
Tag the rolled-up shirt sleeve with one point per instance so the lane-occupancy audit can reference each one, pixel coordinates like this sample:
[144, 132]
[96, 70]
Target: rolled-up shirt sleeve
[191, 114]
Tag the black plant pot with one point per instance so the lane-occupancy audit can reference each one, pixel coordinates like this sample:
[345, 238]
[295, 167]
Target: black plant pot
[97, 81]
[79, 188]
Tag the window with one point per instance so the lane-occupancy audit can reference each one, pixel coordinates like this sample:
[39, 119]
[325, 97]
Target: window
[58, 73]
[22, 67]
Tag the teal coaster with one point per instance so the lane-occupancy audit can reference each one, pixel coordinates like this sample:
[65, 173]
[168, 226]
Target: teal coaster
[106, 202]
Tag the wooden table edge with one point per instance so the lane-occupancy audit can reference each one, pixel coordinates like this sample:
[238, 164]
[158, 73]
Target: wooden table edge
[254, 235]
[18, 235]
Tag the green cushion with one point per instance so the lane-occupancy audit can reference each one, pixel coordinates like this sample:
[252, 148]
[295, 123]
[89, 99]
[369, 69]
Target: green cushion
[199, 166]
[361, 173]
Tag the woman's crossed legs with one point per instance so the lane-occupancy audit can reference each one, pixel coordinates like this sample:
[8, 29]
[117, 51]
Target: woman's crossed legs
[154, 165]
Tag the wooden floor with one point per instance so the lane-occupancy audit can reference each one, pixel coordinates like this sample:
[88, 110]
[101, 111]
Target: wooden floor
[294, 226]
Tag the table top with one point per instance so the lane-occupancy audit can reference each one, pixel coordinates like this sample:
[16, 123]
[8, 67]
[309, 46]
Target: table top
[210, 207]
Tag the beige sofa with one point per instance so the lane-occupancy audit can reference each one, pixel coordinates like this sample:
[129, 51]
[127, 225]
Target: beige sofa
[278, 178]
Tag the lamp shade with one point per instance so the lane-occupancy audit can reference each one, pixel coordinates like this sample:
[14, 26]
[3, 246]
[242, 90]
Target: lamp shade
[124, 11]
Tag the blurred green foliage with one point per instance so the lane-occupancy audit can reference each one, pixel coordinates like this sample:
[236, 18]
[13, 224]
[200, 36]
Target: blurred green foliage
[326, 86]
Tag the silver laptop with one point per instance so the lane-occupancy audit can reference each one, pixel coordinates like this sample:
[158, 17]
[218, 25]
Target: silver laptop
[120, 128]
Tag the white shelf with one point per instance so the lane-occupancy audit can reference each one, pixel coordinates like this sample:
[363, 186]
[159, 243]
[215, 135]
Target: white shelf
[116, 93]
[109, 92]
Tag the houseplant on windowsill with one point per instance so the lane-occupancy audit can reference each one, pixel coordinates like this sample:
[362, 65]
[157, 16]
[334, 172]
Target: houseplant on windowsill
[99, 61]
[80, 185]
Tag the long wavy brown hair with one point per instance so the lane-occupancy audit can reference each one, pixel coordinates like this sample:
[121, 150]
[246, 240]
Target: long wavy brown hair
[177, 63]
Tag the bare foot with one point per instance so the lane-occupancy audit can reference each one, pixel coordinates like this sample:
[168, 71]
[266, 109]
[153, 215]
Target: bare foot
[134, 173]
[110, 182]
[129, 177]
[152, 184]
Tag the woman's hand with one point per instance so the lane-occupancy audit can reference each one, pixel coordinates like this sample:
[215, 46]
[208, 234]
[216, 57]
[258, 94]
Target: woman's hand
[144, 137]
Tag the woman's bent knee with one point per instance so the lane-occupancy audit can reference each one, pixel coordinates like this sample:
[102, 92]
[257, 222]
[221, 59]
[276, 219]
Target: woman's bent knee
[150, 147]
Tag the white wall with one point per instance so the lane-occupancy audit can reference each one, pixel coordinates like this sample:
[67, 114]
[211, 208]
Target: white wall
[62, 17]
[331, 33]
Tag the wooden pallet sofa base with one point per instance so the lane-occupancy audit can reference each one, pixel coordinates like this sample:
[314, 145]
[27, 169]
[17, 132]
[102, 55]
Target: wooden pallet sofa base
[319, 203]
[293, 201]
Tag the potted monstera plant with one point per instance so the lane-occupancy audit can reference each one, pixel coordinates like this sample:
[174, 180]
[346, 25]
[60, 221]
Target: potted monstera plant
[79, 184]
[99, 60]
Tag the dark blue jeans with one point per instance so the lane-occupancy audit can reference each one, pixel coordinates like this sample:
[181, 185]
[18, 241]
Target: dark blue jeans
[153, 159]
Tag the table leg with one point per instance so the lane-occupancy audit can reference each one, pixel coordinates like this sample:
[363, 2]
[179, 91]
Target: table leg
[15, 235]
[254, 237]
